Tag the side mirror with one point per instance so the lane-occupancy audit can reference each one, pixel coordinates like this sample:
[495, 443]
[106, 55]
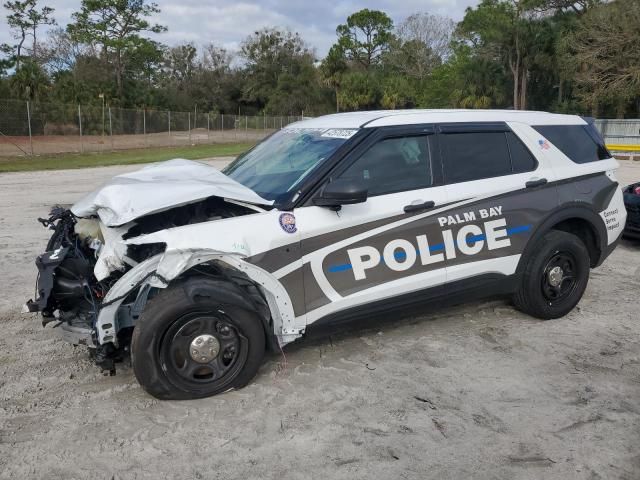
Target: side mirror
[341, 191]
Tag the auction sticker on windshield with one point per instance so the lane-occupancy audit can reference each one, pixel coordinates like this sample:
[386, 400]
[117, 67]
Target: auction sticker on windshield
[339, 133]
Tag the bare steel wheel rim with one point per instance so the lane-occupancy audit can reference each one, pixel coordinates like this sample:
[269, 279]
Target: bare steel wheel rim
[559, 279]
[203, 351]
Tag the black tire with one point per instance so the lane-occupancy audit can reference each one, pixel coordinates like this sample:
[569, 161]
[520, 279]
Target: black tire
[537, 294]
[174, 320]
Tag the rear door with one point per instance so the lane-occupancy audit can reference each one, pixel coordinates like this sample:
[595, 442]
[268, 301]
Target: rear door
[499, 192]
[378, 249]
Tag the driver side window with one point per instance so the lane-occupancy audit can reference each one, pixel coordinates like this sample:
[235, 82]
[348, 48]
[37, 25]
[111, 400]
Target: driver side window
[394, 165]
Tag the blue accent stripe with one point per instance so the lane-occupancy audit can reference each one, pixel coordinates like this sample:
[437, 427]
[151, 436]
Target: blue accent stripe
[340, 268]
[520, 229]
[434, 248]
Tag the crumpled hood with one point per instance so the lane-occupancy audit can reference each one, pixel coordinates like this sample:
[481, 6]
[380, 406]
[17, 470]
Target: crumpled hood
[159, 187]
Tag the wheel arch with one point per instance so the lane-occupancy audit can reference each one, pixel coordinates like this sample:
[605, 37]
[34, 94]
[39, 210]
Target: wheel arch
[176, 262]
[166, 268]
[232, 287]
[576, 219]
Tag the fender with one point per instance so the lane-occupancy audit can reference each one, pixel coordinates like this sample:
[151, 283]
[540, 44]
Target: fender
[563, 212]
[159, 270]
[174, 262]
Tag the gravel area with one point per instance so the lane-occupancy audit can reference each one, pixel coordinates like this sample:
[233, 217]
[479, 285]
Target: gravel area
[475, 391]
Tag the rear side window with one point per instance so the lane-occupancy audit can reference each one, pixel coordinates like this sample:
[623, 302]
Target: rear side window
[476, 155]
[577, 142]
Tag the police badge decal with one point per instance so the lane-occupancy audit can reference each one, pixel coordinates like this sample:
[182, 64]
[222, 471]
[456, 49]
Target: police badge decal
[288, 222]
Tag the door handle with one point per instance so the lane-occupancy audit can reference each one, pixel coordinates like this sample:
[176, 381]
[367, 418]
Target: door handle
[536, 183]
[416, 207]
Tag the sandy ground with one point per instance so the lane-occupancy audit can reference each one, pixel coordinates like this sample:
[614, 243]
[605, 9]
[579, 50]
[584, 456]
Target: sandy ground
[477, 391]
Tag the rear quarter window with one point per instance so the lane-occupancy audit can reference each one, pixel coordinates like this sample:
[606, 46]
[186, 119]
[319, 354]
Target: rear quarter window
[521, 158]
[577, 142]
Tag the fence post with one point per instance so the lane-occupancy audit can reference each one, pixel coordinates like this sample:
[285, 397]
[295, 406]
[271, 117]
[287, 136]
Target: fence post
[144, 126]
[80, 125]
[111, 129]
[189, 128]
[222, 126]
[169, 124]
[246, 127]
[29, 121]
[208, 136]
[102, 145]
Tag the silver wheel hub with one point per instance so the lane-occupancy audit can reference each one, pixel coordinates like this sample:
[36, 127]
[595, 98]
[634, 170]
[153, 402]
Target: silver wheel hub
[204, 348]
[555, 276]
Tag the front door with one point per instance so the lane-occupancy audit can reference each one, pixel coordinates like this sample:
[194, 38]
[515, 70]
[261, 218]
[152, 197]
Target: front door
[386, 246]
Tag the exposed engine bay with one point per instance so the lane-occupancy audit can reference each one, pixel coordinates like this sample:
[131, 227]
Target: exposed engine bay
[67, 290]
[94, 279]
[69, 293]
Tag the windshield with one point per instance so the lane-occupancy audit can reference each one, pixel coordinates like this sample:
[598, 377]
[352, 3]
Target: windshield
[275, 167]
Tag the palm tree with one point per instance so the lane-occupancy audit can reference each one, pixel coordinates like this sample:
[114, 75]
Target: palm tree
[30, 81]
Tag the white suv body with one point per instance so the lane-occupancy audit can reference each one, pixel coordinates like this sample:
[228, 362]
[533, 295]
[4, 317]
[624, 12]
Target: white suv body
[352, 214]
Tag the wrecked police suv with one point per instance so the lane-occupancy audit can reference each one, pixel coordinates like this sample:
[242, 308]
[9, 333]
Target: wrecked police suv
[196, 272]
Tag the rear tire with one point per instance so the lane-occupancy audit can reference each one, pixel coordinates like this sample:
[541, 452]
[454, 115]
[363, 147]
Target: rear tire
[189, 344]
[555, 276]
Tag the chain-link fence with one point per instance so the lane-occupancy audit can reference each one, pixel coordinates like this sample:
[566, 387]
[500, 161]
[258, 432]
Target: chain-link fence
[30, 128]
[34, 128]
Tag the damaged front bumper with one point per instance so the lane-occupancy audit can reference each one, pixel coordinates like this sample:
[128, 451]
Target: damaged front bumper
[96, 293]
[47, 263]
[112, 251]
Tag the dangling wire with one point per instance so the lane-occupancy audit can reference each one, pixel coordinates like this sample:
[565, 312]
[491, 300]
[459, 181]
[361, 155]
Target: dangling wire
[283, 364]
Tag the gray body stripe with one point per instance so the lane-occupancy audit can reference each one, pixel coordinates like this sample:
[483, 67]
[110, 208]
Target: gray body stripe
[277, 258]
[523, 207]
[313, 294]
[293, 283]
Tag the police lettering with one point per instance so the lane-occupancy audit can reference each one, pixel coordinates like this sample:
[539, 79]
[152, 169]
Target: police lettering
[400, 254]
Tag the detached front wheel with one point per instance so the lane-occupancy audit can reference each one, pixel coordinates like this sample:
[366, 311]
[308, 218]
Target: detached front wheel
[555, 276]
[190, 342]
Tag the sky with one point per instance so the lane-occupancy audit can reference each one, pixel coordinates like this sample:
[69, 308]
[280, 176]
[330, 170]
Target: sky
[227, 22]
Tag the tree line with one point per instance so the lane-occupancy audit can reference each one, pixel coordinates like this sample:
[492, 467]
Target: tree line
[559, 55]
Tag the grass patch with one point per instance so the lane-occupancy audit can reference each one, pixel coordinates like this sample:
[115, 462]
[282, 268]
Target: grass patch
[120, 157]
